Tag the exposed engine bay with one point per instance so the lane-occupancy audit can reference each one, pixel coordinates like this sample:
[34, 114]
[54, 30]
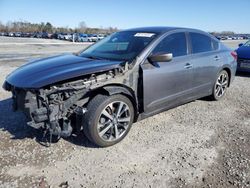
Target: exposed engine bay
[58, 109]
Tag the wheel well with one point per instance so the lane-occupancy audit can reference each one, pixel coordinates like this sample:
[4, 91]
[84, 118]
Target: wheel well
[229, 74]
[117, 89]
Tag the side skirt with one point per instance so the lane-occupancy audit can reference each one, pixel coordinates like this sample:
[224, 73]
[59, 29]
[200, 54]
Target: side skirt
[145, 115]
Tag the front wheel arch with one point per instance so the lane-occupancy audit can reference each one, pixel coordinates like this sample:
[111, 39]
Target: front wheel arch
[117, 89]
[113, 90]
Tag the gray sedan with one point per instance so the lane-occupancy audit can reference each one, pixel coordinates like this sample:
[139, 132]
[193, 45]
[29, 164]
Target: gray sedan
[128, 76]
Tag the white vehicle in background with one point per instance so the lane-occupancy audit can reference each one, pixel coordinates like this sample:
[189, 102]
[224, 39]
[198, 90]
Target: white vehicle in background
[68, 36]
[82, 38]
[93, 37]
[11, 34]
[101, 36]
[60, 36]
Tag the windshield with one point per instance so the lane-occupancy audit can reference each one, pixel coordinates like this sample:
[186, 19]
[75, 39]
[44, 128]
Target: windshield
[247, 43]
[124, 45]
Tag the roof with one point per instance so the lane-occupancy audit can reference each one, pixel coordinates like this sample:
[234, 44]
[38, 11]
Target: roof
[154, 29]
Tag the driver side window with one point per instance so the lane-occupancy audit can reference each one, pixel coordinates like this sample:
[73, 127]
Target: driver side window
[174, 43]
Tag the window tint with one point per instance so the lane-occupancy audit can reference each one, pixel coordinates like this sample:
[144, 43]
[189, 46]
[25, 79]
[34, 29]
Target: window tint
[215, 44]
[201, 43]
[174, 43]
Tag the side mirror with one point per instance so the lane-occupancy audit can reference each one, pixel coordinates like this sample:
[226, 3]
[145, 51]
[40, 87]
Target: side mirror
[241, 44]
[161, 57]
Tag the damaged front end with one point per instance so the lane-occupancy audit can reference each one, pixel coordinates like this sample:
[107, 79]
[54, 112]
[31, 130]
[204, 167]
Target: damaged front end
[58, 109]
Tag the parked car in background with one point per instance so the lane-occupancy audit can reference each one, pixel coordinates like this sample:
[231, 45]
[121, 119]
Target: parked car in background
[5, 34]
[54, 36]
[93, 37]
[17, 34]
[45, 35]
[27, 35]
[37, 35]
[10, 34]
[223, 38]
[101, 36]
[243, 57]
[78, 37]
[60, 36]
[82, 37]
[128, 76]
[68, 36]
[75, 37]
[50, 35]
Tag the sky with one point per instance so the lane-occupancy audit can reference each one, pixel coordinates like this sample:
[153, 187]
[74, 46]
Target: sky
[208, 15]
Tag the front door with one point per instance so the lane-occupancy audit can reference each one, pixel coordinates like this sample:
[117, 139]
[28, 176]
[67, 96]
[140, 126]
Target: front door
[167, 83]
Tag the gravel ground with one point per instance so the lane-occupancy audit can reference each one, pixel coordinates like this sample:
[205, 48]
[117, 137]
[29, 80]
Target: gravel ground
[199, 144]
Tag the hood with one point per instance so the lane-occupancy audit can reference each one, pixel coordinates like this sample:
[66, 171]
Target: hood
[243, 52]
[50, 70]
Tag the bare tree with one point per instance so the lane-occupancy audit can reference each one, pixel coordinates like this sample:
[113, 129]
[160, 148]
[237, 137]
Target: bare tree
[48, 27]
[2, 27]
[24, 26]
[227, 33]
[82, 27]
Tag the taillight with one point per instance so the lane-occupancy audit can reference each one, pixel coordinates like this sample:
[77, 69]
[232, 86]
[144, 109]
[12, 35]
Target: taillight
[234, 54]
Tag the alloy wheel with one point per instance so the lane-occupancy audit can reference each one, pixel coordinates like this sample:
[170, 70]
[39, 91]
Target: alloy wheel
[114, 121]
[221, 85]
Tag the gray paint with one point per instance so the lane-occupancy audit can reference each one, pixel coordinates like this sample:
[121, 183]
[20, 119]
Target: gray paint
[168, 84]
[154, 86]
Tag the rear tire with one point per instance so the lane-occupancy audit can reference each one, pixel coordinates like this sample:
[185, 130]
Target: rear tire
[220, 86]
[108, 119]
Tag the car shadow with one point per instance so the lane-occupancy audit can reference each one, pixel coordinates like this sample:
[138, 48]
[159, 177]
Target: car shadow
[80, 140]
[15, 124]
[207, 98]
[243, 74]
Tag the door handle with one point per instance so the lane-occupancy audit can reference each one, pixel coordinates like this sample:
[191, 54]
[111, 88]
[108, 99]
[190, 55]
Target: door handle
[216, 58]
[188, 66]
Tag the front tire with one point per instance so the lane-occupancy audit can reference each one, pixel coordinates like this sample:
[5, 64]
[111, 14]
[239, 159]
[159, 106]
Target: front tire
[108, 119]
[220, 86]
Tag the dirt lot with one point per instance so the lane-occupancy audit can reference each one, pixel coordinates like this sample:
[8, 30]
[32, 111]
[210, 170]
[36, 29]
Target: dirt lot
[200, 144]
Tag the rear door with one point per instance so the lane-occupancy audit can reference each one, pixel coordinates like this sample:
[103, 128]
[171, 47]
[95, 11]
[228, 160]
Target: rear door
[164, 83]
[205, 61]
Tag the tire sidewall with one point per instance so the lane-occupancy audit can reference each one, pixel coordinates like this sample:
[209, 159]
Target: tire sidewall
[92, 124]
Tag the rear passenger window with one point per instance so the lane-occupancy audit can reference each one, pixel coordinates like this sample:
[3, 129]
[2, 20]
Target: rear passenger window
[215, 45]
[174, 43]
[201, 43]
